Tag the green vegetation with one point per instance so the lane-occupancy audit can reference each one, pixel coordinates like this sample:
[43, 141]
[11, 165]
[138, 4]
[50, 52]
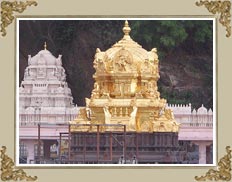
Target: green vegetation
[170, 35]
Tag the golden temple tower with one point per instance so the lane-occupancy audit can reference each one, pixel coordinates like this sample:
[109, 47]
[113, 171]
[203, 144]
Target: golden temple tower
[125, 91]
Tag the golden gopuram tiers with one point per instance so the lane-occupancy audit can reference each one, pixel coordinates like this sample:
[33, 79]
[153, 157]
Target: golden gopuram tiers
[125, 91]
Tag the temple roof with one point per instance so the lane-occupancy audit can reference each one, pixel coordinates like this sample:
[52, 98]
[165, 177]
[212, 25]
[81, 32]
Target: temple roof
[127, 43]
[45, 57]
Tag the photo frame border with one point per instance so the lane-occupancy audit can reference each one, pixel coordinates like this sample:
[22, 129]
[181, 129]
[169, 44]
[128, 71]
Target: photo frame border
[227, 148]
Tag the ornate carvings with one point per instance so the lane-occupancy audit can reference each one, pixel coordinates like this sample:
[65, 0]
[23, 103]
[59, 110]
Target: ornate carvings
[123, 61]
[7, 12]
[222, 173]
[132, 121]
[81, 119]
[98, 63]
[107, 115]
[8, 170]
[221, 7]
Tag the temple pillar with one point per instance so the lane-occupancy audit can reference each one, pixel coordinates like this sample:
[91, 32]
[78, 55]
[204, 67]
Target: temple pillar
[202, 150]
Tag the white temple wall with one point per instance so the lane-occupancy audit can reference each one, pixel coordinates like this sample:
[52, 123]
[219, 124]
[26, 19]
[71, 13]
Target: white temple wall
[185, 114]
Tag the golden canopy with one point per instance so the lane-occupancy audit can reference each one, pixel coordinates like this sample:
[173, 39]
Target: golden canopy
[125, 90]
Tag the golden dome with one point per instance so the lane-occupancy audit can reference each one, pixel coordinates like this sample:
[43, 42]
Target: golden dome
[128, 44]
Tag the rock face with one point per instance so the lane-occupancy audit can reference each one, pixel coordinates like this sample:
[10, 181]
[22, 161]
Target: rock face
[44, 96]
[125, 90]
[185, 79]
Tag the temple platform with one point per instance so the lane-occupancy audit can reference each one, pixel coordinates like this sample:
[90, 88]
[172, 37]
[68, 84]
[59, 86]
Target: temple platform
[124, 147]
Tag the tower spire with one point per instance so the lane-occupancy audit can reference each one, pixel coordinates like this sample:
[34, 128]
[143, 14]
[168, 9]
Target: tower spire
[45, 45]
[126, 29]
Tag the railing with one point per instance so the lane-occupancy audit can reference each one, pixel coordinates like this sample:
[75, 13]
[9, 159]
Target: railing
[190, 124]
[35, 124]
[199, 125]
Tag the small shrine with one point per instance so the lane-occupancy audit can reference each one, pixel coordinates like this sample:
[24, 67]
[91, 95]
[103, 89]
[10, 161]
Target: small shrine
[125, 120]
[125, 91]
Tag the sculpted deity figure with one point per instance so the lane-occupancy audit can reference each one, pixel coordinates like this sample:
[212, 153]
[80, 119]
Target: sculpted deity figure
[121, 63]
[63, 76]
[147, 67]
[107, 115]
[26, 73]
[153, 60]
[169, 114]
[95, 92]
[87, 101]
[123, 60]
[32, 73]
[153, 56]
[105, 93]
[172, 124]
[82, 118]
[51, 73]
[98, 63]
[82, 114]
[59, 62]
[175, 126]
[150, 91]
[156, 115]
[29, 60]
[132, 121]
[41, 72]
[166, 123]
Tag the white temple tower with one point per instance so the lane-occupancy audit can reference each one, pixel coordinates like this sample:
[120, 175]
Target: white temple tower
[44, 95]
[44, 98]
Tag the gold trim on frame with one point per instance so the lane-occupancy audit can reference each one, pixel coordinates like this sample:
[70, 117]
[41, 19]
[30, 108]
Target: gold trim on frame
[223, 171]
[8, 170]
[7, 9]
[221, 7]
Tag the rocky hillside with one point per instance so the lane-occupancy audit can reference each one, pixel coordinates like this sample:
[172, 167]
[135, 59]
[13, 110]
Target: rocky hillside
[186, 71]
[187, 80]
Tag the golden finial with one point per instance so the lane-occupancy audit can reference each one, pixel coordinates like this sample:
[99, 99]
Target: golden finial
[45, 45]
[126, 29]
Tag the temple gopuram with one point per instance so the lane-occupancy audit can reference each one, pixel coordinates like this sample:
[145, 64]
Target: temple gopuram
[125, 120]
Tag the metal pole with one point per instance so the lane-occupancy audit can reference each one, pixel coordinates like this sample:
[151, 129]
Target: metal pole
[69, 142]
[137, 147]
[84, 152]
[111, 146]
[38, 149]
[124, 143]
[60, 147]
[98, 142]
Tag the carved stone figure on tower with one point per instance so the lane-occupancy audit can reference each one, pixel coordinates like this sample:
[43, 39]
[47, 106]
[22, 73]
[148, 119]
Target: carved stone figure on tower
[123, 61]
[95, 91]
[99, 64]
[107, 115]
[132, 121]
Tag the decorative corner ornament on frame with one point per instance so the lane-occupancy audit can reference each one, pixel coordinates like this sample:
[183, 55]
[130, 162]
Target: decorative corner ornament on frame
[223, 171]
[221, 7]
[9, 171]
[7, 10]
